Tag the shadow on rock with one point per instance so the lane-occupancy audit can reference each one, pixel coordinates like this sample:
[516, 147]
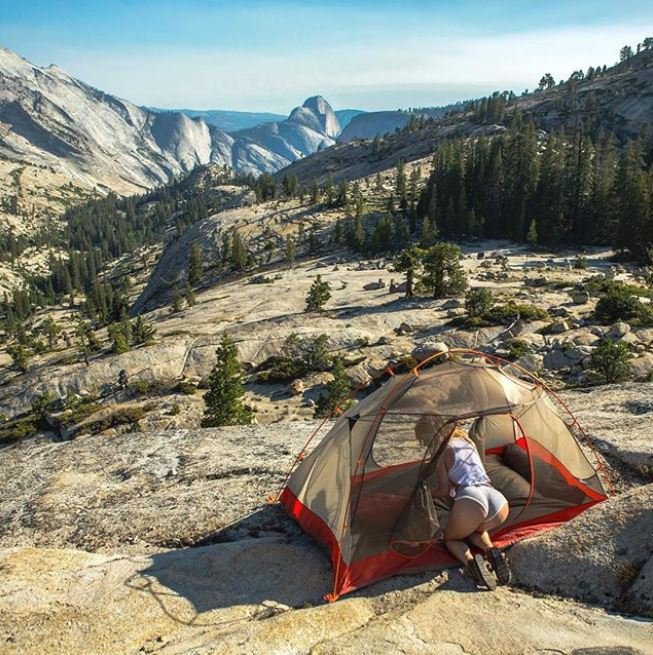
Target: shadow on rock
[251, 562]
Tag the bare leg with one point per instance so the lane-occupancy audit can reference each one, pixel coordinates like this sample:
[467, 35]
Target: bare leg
[481, 540]
[464, 519]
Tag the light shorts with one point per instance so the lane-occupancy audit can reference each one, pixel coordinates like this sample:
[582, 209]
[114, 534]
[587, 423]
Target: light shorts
[486, 496]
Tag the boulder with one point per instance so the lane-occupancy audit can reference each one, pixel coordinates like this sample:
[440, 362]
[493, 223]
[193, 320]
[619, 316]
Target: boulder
[566, 355]
[531, 362]
[405, 328]
[618, 330]
[580, 297]
[373, 286]
[452, 303]
[585, 339]
[428, 349]
[453, 313]
[597, 556]
[296, 388]
[359, 375]
[642, 366]
[559, 327]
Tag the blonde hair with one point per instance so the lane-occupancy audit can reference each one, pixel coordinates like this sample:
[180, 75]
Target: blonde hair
[432, 431]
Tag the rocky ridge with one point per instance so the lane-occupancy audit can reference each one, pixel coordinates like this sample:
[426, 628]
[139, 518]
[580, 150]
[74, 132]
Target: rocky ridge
[61, 131]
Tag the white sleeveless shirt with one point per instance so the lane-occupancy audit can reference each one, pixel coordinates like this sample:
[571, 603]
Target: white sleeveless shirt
[467, 469]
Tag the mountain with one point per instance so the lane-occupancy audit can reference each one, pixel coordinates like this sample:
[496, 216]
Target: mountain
[345, 116]
[309, 128]
[228, 121]
[70, 131]
[617, 101]
[48, 118]
[374, 123]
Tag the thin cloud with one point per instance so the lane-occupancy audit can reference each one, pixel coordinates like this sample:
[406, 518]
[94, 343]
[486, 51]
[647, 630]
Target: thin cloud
[371, 74]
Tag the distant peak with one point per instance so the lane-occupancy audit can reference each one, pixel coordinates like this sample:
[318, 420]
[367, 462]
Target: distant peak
[317, 104]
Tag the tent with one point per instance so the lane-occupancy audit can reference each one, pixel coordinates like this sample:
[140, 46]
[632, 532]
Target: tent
[363, 491]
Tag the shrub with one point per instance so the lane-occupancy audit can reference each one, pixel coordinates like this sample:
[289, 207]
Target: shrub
[187, 388]
[517, 348]
[611, 361]
[298, 357]
[620, 304]
[175, 410]
[141, 387]
[337, 391]
[580, 262]
[478, 301]
[20, 429]
[19, 356]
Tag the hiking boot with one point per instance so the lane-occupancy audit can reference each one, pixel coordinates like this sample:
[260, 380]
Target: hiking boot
[477, 570]
[499, 565]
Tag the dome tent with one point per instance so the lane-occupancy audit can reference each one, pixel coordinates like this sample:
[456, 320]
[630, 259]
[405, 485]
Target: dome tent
[363, 491]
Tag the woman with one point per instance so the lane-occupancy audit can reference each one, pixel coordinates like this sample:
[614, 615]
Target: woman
[477, 507]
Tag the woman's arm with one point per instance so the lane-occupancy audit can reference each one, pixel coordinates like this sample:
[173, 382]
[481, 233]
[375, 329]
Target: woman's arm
[440, 478]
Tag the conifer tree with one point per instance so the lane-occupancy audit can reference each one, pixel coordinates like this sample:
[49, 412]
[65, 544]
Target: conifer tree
[409, 261]
[290, 251]
[191, 298]
[318, 295]
[142, 332]
[195, 265]
[337, 391]
[443, 275]
[238, 253]
[223, 400]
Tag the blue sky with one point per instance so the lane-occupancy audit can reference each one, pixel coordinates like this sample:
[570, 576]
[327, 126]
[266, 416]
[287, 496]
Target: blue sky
[260, 55]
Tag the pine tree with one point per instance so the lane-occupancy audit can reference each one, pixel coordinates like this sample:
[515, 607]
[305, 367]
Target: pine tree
[337, 391]
[409, 262]
[318, 295]
[315, 192]
[142, 332]
[51, 331]
[238, 253]
[191, 298]
[223, 399]
[290, 251]
[119, 334]
[195, 265]
[443, 274]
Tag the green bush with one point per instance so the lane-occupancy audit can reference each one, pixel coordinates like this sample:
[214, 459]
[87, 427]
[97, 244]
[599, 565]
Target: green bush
[517, 348]
[185, 387]
[478, 301]
[580, 262]
[141, 387]
[502, 315]
[298, 357]
[337, 392]
[620, 304]
[611, 361]
[20, 429]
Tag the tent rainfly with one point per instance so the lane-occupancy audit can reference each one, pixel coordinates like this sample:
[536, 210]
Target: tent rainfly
[361, 491]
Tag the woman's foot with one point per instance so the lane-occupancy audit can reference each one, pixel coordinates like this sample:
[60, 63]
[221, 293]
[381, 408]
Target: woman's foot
[499, 565]
[476, 569]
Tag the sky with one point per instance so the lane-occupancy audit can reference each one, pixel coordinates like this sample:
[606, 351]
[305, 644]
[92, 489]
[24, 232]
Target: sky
[269, 55]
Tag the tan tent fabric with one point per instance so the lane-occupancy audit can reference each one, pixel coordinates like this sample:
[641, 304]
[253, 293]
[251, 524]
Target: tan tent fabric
[359, 487]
